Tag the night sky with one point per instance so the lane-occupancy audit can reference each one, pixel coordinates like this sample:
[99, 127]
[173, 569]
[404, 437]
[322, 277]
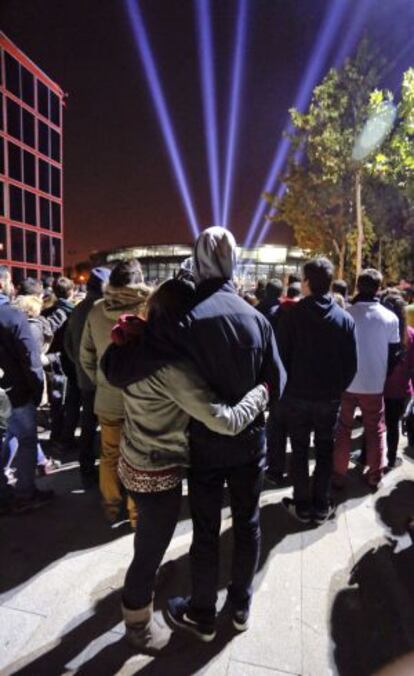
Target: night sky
[119, 188]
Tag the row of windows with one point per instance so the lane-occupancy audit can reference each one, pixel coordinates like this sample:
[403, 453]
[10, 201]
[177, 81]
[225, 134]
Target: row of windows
[21, 125]
[22, 208]
[21, 83]
[24, 247]
[22, 168]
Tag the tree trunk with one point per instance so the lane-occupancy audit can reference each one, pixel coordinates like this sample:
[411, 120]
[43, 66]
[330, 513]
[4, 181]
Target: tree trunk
[359, 224]
[342, 252]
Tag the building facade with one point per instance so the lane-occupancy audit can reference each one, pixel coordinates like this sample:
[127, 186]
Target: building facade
[31, 171]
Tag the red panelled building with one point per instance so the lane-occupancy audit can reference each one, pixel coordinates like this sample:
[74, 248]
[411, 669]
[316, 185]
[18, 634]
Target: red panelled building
[31, 173]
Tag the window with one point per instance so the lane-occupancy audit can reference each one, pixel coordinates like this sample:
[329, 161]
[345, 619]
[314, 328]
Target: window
[43, 142]
[16, 203]
[13, 119]
[17, 251]
[56, 217]
[42, 99]
[3, 241]
[44, 176]
[31, 246]
[29, 168]
[32, 273]
[12, 75]
[18, 275]
[29, 207]
[45, 249]
[55, 108]
[2, 199]
[44, 213]
[28, 129]
[56, 252]
[54, 145]
[55, 181]
[27, 87]
[1, 155]
[15, 162]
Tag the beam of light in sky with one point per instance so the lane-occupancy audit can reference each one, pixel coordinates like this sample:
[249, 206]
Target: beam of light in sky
[160, 105]
[324, 41]
[354, 31]
[208, 90]
[237, 70]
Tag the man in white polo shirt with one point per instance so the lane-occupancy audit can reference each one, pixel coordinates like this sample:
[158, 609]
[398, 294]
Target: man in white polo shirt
[378, 345]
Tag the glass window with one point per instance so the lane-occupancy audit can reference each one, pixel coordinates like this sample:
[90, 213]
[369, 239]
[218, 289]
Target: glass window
[17, 252]
[1, 111]
[27, 86]
[44, 176]
[29, 168]
[13, 119]
[54, 145]
[42, 99]
[55, 181]
[16, 203]
[18, 275]
[15, 162]
[44, 213]
[45, 249]
[1, 155]
[56, 255]
[43, 142]
[32, 273]
[28, 129]
[2, 199]
[3, 241]
[55, 108]
[31, 246]
[29, 207]
[12, 75]
[56, 217]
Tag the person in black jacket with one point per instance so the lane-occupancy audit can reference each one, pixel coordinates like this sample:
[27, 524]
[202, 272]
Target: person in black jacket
[22, 378]
[271, 302]
[318, 348]
[234, 348]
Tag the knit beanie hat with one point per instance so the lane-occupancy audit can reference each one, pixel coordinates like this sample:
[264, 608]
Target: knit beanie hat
[214, 254]
[97, 278]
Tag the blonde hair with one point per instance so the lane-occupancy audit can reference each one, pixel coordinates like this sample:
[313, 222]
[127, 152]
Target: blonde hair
[31, 305]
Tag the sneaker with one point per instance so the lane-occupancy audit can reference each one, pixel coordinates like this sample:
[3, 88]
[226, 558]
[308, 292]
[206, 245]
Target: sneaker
[374, 480]
[322, 515]
[394, 465]
[23, 503]
[51, 465]
[299, 513]
[178, 610]
[240, 620]
[275, 478]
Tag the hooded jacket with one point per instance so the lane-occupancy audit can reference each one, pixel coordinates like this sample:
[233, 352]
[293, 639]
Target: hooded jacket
[96, 337]
[317, 344]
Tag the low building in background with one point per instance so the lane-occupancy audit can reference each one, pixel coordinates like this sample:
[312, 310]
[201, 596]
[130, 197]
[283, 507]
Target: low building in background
[31, 170]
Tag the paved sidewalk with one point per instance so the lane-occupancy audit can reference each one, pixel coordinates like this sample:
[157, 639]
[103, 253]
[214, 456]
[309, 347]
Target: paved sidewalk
[62, 569]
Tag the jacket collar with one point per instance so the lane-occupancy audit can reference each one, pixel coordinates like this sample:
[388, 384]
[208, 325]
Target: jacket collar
[364, 298]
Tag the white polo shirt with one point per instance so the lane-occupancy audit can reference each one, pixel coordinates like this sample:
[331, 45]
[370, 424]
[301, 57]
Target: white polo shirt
[376, 327]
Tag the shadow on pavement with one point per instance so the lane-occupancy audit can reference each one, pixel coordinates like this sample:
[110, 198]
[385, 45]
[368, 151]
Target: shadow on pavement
[372, 620]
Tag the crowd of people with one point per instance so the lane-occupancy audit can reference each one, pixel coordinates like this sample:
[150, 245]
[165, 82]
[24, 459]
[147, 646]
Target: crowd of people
[178, 379]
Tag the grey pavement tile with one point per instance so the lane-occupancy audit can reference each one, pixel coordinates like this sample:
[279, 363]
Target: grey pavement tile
[317, 657]
[238, 668]
[16, 629]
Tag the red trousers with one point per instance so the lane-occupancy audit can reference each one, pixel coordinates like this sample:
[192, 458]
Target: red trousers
[372, 408]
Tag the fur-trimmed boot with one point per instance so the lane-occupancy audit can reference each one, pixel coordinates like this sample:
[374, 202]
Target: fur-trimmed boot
[144, 631]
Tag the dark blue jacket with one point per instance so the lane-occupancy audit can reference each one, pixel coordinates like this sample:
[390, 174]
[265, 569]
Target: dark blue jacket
[316, 339]
[234, 349]
[19, 357]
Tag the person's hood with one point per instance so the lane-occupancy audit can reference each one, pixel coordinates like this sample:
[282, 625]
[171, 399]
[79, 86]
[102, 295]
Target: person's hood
[118, 300]
[215, 255]
[97, 279]
[4, 300]
[319, 308]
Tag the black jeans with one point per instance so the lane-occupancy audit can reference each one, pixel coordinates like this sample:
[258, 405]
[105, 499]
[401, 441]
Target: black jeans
[394, 409]
[303, 417]
[277, 436]
[64, 411]
[89, 424]
[157, 518]
[206, 489]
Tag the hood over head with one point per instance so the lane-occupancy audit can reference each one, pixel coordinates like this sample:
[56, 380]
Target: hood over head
[214, 254]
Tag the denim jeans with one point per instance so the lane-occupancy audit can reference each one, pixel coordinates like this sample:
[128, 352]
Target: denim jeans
[277, 436]
[21, 425]
[157, 518]
[304, 417]
[206, 487]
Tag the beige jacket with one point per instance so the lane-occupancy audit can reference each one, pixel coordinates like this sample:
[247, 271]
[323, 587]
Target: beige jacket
[158, 411]
[96, 337]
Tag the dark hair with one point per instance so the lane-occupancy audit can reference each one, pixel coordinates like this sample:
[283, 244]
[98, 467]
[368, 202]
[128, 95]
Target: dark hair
[274, 289]
[30, 287]
[340, 286]
[369, 282]
[126, 273]
[48, 282]
[393, 300]
[293, 278]
[318, 272]
[63, 287]
[294, 290]
[172, 300]
[259, 291]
